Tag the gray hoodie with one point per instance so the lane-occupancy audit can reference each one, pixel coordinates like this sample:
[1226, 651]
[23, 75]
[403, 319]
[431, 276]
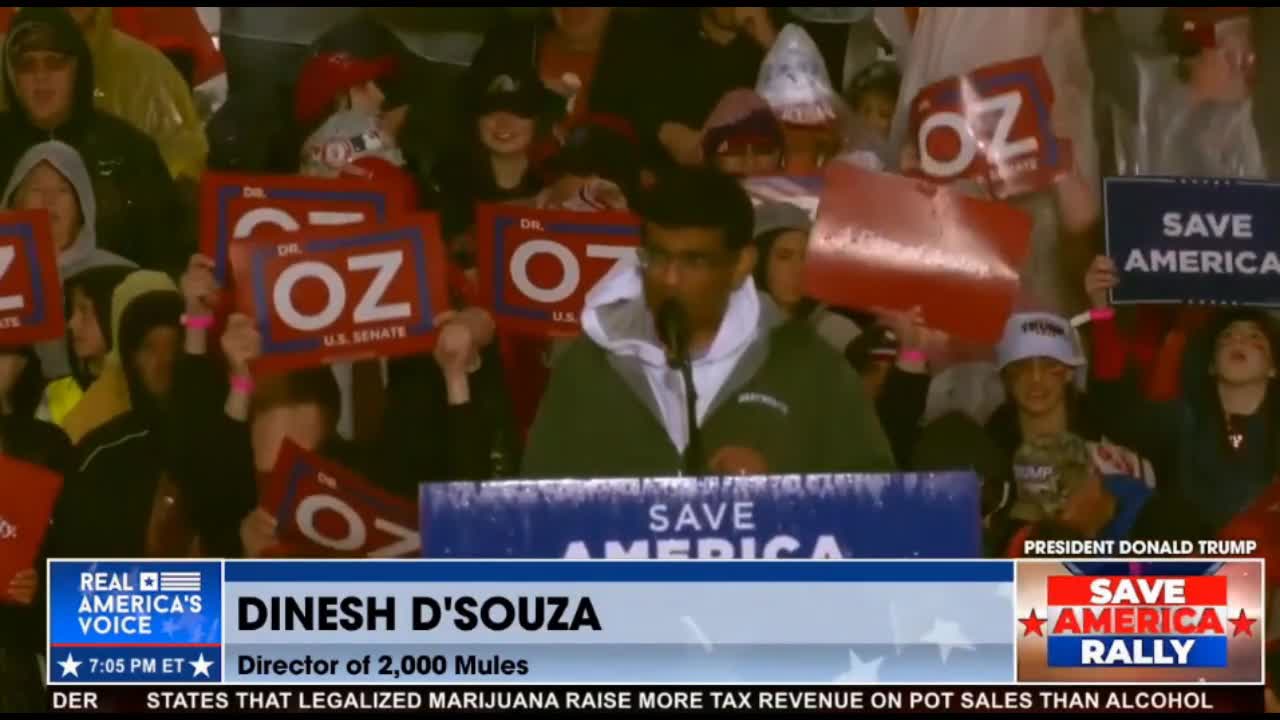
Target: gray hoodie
[616, 319]
[84, 252]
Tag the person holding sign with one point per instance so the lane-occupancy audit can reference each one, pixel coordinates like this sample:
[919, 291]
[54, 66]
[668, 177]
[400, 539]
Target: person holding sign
[49, 78]
[232, 428]
[1218, 437]
[768, 395]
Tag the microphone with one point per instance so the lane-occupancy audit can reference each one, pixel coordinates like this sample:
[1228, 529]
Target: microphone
[673, 330]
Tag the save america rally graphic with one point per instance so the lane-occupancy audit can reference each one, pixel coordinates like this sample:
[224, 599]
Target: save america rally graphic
[131, 621]
[1152, 621]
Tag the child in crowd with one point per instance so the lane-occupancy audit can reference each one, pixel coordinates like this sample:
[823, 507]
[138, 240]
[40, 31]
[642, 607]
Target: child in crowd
[873, 95]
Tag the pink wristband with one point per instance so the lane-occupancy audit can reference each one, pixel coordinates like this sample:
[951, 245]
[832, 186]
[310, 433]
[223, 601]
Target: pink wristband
[912, 356]
[242, 384]
[197, 322]
[1102, 313]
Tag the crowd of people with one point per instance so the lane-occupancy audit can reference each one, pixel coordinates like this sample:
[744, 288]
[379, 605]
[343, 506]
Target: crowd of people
[1084, 421]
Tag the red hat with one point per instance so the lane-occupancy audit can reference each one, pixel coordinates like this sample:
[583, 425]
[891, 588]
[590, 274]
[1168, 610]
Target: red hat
[326, 75]
[1199, 25]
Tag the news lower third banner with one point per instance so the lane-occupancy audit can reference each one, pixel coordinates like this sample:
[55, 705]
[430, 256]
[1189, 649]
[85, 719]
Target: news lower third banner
[415, 622]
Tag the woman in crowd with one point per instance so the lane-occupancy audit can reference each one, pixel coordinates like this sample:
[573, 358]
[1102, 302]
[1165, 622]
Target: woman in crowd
[495, 163]
[900, 384]
[782, 239]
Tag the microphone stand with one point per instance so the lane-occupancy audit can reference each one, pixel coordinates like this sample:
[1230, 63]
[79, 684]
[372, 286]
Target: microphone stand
[672, 323]
[693, 458]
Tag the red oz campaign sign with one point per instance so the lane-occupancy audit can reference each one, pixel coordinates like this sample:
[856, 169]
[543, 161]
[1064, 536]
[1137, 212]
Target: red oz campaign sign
[322, 505]
[30, 293]
[537, 266]
[27, 495]
[234, 207]
[895, 242]
[324, 295]
[993, 125]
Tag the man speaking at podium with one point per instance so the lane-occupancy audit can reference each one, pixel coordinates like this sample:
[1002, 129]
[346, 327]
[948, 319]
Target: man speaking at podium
[769, 395]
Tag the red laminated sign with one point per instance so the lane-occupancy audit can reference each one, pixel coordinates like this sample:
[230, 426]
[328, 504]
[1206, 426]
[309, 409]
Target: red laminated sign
[30, 292]
[323, 508]
[317, 296]
[994, 126]
[537, 266]
[27, 496]
[234, 207]
[896, 243]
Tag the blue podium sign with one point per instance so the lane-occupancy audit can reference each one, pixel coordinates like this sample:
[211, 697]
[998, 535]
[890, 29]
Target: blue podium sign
[931, 515]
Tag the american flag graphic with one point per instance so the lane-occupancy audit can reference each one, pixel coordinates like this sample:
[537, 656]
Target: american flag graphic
[180, 582]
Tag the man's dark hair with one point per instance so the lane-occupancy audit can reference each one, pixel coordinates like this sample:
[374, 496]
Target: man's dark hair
[700, 198]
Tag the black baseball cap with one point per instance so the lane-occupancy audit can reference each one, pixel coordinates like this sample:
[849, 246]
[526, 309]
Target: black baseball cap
[519, 92]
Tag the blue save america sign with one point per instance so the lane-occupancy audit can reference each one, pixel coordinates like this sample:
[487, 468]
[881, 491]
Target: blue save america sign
[1194, 240]
[931, 515]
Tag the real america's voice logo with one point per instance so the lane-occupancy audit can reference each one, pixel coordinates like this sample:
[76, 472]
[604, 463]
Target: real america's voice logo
[134, 621]
[1140, 622]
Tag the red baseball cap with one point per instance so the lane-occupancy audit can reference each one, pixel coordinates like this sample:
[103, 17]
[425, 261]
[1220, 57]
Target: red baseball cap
[1199, 25]
[326, 75]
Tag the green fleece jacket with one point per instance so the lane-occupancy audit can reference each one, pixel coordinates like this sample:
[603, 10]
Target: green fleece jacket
[790, 397]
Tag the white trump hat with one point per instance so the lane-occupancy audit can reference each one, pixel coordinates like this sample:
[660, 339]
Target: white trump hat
[1030, 335]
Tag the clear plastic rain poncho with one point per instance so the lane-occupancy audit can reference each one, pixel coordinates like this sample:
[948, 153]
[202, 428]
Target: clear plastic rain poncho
[998, 101]
[1200, 125]
[817, 124]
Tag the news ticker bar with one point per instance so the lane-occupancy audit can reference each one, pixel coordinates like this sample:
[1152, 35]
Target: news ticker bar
[659, 699]
[519, 622]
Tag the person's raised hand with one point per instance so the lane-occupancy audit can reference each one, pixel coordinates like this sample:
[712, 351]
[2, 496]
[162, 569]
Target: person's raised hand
[456, 352]
[1099, 279]
[257, 532]
[241, 343]
[199, 288]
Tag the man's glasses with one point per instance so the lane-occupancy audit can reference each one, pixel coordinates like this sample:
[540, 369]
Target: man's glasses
[653, 258]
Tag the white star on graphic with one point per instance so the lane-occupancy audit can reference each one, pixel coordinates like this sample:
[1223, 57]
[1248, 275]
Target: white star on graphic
[947, 636]
[860, 672]
[70, 666]
[200, 666]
